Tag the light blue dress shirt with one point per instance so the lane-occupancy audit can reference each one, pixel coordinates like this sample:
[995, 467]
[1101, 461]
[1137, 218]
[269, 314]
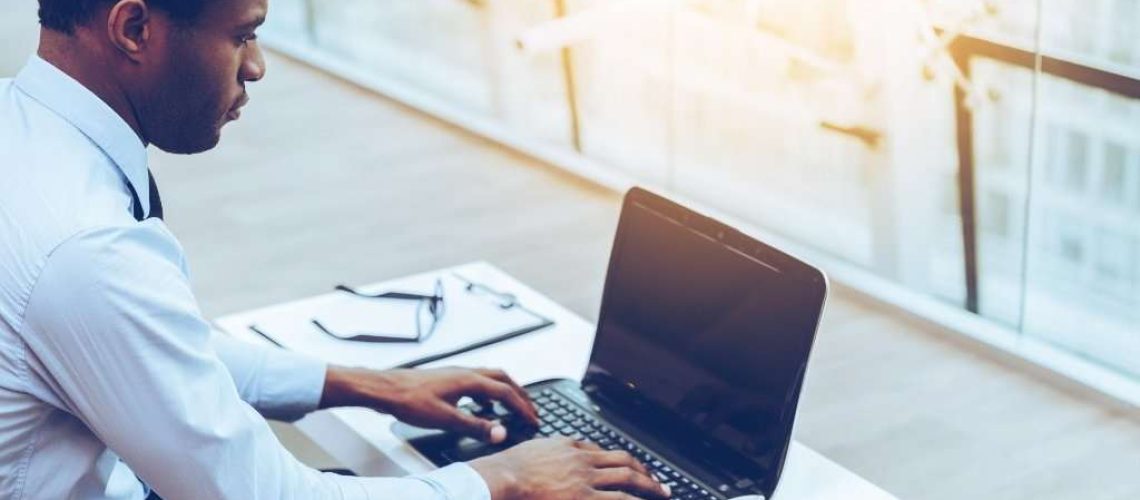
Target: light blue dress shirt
[105, 360]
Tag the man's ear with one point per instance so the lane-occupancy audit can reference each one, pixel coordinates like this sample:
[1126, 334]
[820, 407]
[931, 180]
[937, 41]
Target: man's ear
[129, 27]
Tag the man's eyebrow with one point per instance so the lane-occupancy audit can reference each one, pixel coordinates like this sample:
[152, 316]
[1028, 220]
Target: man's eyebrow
[252, 24]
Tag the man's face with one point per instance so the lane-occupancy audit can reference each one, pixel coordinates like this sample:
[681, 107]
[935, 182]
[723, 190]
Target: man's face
[196, 83]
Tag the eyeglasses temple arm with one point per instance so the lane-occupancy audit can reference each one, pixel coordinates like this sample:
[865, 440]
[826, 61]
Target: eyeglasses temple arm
[387, 295]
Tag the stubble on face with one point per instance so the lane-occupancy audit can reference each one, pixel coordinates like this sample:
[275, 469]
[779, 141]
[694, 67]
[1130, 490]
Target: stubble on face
[195, 91]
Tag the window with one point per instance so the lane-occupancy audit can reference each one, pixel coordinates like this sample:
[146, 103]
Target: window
[1000, 138]
[956, 168]
[1071, 246]
[1124, 34]
[1113, 179]
[1079, 294]
[1076, 166]
[997, 214]
[1055, 153]
[1113, 263]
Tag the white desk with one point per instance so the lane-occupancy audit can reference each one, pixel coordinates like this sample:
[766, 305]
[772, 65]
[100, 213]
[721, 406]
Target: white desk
[361, 438]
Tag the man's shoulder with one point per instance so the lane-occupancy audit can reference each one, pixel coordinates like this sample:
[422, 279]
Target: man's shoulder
[56, 186]
[33, 133]
[56, 181]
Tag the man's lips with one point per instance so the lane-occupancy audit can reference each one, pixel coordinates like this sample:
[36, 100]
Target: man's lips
[235, 112]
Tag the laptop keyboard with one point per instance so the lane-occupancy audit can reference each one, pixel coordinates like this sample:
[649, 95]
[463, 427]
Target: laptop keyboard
[560, 417]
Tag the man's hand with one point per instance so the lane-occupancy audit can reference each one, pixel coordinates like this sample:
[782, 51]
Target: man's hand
[564, 469]
[427, 398]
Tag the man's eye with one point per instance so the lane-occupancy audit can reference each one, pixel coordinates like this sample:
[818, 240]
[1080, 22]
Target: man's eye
[245, 39]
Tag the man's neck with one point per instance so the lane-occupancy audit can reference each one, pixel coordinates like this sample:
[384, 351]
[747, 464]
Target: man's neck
[81, 59]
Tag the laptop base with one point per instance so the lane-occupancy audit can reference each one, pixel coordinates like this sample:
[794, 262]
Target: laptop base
[564, 410]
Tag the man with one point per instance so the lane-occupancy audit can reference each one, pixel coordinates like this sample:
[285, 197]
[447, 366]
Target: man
[112, 385]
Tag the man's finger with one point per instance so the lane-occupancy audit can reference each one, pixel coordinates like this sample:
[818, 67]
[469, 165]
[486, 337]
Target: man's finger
[606, 459]
[504, 393]
[601, 458]
[474, 427]
[585, 445]
[611, 495]
[502, 376]
[528, 410]
[628, 480]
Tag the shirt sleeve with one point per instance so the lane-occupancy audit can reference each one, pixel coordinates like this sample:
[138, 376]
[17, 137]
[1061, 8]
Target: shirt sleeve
[279, 384]
[117, 331]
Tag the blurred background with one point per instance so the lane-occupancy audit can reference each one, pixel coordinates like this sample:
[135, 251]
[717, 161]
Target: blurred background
[968, 172]
[983, 154]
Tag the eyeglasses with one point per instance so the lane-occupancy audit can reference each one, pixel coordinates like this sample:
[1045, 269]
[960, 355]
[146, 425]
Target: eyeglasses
[503, 299]
[431, 309]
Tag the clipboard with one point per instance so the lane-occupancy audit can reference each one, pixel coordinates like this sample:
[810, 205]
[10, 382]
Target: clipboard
[477, 316]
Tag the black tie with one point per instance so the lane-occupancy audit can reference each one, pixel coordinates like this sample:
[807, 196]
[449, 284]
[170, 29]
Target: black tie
[155, 200]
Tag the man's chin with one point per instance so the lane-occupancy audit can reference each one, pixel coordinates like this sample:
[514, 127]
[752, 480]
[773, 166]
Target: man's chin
[190, 145]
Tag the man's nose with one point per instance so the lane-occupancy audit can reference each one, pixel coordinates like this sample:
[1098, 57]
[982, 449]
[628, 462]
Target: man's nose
[253, 69]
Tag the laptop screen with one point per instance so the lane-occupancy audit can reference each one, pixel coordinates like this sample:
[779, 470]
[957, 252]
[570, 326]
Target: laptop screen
[709, 331]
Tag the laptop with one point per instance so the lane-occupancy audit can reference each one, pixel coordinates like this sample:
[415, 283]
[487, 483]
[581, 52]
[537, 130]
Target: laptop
[701, 347]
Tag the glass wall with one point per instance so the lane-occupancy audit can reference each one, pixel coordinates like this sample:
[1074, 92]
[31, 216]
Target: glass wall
[1083, 244]
[982, 153]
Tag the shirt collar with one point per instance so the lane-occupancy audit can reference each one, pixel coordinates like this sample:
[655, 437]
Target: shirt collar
[88, 113]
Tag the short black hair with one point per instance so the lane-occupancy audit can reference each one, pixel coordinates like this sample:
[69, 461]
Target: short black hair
[65, 15]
